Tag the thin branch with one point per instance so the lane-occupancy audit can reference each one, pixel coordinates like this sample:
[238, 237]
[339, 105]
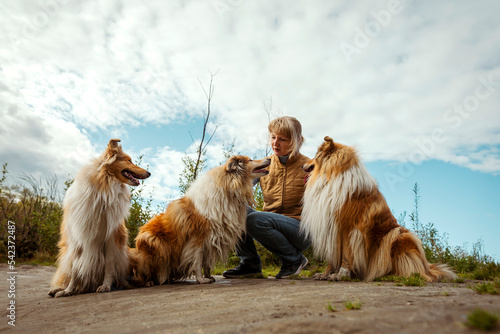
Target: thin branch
[268, 108]
[209, 139]
[202, 147]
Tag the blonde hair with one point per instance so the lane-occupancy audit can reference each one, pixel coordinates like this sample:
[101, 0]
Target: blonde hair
[289, 127]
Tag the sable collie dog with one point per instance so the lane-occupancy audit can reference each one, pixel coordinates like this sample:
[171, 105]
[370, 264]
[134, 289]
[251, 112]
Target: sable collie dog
[200, 228]
[350, 223]
[93, 247]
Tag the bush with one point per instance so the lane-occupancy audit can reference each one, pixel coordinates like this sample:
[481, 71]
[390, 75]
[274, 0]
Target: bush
[492, 288]
[477, 264]
[36, 212]
[482, 319]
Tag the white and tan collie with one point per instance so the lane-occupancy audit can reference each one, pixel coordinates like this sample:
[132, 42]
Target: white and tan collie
[351, 225]
[93, 252]
[200, 228]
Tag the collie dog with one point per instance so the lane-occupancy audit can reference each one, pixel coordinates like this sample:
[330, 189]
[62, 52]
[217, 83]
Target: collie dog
[93, 252]
[351, 225]
[201, 227]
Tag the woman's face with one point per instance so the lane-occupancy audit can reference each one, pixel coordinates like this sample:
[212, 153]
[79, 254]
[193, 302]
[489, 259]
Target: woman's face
[280, 144]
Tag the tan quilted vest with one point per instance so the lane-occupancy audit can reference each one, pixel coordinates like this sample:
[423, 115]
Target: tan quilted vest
[284, 187]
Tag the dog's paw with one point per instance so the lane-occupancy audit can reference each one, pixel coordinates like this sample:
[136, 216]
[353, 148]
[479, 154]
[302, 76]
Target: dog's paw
[333, 278]
[103, 288]
[53, 292]
[149, 284]
[211, 278]
[204, 280]
[320, 277]
[64, 293]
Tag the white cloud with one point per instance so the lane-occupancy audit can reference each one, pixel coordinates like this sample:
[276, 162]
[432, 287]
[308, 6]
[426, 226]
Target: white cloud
[94, 67]
[40, 144]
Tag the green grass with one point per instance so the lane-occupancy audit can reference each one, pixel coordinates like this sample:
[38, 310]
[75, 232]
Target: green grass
[492, 288]
[353, 305]
[296, 277]
[306, 273]
[487, 272]
[349, 279]
[43, 259]
[270, 271]
[313, 268]
[219, 269]
[388, 278]
[482, 319]
[412, 280]
[330, 308]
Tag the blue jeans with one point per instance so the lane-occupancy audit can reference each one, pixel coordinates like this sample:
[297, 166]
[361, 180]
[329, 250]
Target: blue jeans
[278, 233]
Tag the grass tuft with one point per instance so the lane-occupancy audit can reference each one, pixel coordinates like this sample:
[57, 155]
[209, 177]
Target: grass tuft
[492, 288]
[353, 305]
[482, 319]
[295, 277]
[349, 279]
[388, 278]
[330, 308]
[487, 272]
[270, 271]
[44, 259]
[413, 280]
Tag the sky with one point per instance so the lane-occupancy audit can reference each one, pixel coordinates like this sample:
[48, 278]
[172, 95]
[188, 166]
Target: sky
[413, 85]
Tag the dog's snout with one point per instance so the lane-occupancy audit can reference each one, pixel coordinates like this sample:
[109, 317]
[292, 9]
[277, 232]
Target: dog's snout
[149, 174]
[308, 168]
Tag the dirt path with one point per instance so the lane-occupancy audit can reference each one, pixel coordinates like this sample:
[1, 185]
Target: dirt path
[241, 306]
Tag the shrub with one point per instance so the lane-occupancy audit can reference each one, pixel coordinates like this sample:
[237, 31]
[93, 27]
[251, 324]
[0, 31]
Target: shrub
[36, 211]
[437, 250]
[482, 319]
[492, 288]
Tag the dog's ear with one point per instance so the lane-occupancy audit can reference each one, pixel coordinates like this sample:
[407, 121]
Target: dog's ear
[233, 164]
[113, 144]
[328, 142]
[112, 150]
[236, 163]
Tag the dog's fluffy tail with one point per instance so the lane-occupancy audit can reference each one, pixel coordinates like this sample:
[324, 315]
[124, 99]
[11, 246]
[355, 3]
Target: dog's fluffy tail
[441, 271]
[409, 257]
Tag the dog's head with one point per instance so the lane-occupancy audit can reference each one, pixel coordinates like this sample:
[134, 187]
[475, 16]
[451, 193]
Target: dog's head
[118, 164]
[245, 166]
[239, 172]
[331, 159]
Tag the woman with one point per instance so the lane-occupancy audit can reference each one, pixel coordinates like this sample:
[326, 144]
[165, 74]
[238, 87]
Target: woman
[277, 226]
